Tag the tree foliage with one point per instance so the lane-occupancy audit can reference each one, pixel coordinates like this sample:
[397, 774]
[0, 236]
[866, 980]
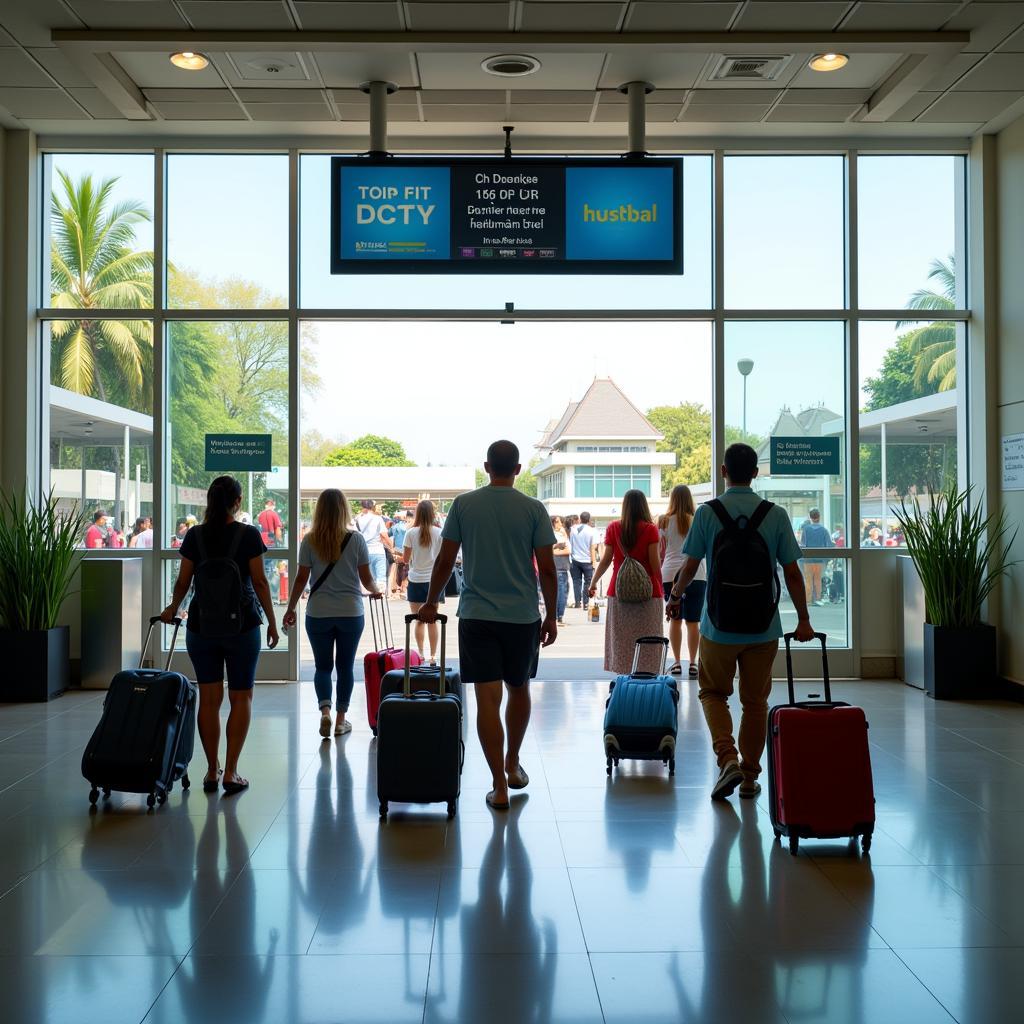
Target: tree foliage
[687, 430]
[370, 450]
[315, 448]
[933, 345]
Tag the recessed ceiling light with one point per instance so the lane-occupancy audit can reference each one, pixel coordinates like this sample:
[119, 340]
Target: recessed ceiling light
[828, 62]
[510, 65]
[187, 60]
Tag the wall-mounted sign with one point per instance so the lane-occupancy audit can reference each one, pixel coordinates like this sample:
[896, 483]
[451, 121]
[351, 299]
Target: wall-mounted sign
[805, 456]
[238, 453]
[1013, 462]
[505, 216]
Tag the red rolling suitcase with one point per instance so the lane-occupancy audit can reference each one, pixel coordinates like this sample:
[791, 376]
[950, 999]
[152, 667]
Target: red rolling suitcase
[819, 766]
[381, 660]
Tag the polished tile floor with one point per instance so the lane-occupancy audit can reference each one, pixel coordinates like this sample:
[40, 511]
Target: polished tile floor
[631, 901]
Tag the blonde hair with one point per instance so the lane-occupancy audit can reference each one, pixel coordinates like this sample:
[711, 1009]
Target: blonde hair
[425, 521]
[332, 519]
[635, 511]
[680, 508]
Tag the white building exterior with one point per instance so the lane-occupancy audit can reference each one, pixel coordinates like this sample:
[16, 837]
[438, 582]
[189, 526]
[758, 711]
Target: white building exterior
[600, 447]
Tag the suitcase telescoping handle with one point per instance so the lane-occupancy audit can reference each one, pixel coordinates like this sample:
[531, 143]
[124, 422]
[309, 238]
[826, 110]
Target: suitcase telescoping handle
[789, 638]
[386, 632]
[643, 641]
[149, 635]
[409, 620]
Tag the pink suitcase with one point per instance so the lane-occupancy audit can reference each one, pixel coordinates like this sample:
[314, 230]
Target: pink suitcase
[381, 660]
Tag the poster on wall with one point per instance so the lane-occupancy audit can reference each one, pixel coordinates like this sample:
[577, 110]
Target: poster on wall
[804, 456]
[238, 453]
[506, 216]
[1013, 462]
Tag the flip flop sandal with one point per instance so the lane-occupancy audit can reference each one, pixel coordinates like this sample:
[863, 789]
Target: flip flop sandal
[212, 785]
[496, 805]
[231, 788]
[518, 779]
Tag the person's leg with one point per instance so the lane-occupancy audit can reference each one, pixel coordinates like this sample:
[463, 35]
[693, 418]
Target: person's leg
[675, 638]
[419, 628]
[321, 641]
[492, 736]
[692, 640]
[517, 718]
[755, 664]
[576, 572]
[237, 729]
[588, 576]
[808, 582]
[347, 631]
[563, 593]
[432, 637]
[240, 663]
[211, 696]
[717, 668]
[816, 580]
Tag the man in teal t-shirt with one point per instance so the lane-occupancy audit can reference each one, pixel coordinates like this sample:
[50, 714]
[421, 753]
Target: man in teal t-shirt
[501, 532]
[753, 653]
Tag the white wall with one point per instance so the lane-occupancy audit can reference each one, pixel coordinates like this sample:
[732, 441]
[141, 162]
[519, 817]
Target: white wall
[1010, 198]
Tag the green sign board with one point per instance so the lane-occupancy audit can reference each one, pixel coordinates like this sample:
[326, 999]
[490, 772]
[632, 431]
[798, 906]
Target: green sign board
[238, 453]
[805, 456]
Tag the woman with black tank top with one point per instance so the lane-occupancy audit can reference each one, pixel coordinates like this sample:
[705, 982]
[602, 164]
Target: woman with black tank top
[223, 626]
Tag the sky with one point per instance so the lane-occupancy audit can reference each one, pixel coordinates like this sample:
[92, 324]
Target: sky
[446, 389]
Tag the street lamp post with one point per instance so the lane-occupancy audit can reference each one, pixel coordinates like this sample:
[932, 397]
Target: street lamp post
[745, 366]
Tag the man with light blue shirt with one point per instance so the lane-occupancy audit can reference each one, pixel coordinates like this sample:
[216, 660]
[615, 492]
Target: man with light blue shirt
[754, 651]
[501, 532]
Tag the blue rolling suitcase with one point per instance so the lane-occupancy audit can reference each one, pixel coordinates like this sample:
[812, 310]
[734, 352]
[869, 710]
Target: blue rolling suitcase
[641, 713]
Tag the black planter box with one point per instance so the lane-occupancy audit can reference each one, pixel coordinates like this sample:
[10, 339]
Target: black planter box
[35, 665]
[960, 664]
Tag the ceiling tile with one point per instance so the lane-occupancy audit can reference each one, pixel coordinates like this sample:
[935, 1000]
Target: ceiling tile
[553, 96]
[996, 72]
[154, 70]
[97, 104]
[228, 15]
[5, 39]
[280, 96]
[551, 111]
[956, 66]
[989, 24]
[287, 112]
[647, 16]
[738, 97]
[730, 112]
[1015, 44]
[456, 96]
[463, 112]
[463, 71]
[813, 113]
[375, 16]
[969, 106]
[898, 17]
[269, 67]
[31, 22]
[441, 17]
[552, 16]
[157, 96]
[912, 108]
[349, 70]
[827, 96]
[59, 66]
[785, 17]
[865, 70]
[123, 14]
[658, 96]
[204, 111]
[41, 103]
[616, 113]
[19, 70]
[665, 70]
[361, 112]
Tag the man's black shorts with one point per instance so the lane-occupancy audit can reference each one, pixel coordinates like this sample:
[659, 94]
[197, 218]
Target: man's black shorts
[491, 651]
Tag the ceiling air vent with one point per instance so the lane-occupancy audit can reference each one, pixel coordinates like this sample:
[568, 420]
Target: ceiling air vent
[750, 69]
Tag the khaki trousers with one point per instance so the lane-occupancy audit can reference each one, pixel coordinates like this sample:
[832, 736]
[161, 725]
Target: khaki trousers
[812, 580]
[718, 663]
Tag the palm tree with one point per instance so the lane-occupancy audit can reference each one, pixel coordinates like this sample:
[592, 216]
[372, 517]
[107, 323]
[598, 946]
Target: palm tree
[933, 346]
[94, 265]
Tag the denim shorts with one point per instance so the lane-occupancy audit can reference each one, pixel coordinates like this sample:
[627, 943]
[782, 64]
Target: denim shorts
[417, 593]
[211, 655]
[692, 603]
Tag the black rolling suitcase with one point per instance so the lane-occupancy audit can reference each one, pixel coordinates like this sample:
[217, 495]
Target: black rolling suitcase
[419, 740]
[146, 733]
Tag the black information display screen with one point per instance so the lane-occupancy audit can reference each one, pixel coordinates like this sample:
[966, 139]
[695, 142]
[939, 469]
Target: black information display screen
[568, 215]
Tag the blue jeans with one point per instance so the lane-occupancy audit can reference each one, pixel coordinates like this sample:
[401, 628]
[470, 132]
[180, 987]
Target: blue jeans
[379, 570]
[563, 592]
[334, 640]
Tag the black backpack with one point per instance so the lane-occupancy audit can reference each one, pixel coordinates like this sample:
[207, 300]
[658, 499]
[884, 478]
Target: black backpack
[218, 588]
[743, 587]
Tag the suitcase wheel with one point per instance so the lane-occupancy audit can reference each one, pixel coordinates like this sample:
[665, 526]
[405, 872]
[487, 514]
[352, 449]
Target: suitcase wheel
[451, 809]
[151, 800]
[161, 799]
[794, 845]
[865, 843]
[185, 781]
[373, 729]
[672, 767]
[106, 794]
[778, 836]
[608, 763]
[94, 795]
[383, 810]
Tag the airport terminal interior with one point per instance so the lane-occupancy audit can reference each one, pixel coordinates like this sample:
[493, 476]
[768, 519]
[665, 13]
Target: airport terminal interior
[325, 244]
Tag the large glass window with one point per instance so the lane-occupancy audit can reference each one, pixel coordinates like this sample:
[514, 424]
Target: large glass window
[784, 232]
[611, 481]
[227, 231]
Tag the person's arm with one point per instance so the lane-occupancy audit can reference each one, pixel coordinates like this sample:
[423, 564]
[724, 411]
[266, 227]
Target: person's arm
[561, 546]
[181, 585]
[654, 558]
[301, 579]
[797, 592]
[407, 551]
[385, 539]
[593, 549]
[602, 568]
[368, 582]
[262, 588]
[684, 578]
[279, 531]
[549, 590]
[443, 568]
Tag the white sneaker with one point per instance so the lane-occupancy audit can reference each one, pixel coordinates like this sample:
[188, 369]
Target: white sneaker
[325, 724]
[728, 779]
[343, 728]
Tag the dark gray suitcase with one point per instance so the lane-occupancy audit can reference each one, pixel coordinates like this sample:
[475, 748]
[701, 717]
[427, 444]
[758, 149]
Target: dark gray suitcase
[146, 733]
[419, 741]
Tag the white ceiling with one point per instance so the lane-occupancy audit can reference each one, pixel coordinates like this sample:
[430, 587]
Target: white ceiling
[99, 68]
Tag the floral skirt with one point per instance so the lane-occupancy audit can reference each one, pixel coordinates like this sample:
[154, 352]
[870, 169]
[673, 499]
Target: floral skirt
[626, 622]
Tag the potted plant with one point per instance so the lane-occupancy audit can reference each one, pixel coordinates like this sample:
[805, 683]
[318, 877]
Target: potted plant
[38, 558]
[959, 556]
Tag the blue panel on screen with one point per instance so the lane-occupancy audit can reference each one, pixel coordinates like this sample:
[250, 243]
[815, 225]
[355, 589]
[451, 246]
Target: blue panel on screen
[619, 213]
[395, 213]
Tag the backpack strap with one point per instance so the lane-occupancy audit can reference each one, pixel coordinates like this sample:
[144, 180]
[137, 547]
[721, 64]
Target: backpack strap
[201, 544]
[716, 506]
[236, 541]
[759, 514]
[330, 568]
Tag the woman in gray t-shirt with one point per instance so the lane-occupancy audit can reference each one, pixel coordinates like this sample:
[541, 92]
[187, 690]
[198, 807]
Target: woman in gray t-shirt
[336, 559]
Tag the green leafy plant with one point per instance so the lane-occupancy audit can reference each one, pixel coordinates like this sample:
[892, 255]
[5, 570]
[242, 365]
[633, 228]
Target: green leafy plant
[38, 558]
[959, 554]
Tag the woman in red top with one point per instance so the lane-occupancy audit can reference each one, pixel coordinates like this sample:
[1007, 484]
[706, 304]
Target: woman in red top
[636, 535]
